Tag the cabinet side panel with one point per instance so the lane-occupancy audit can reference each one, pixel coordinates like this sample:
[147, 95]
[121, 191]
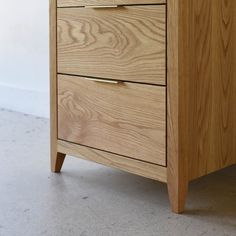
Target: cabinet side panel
[53, 77]
[207, 84]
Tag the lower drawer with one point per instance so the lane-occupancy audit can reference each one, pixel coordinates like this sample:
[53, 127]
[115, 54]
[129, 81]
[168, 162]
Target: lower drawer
[125, 118]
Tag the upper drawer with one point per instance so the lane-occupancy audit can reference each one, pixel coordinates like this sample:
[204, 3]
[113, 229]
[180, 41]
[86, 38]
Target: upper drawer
[125, 43]
[69, 3]
[124, 118]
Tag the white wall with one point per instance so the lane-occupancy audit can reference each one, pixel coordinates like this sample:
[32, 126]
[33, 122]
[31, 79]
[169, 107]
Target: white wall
[24, 63]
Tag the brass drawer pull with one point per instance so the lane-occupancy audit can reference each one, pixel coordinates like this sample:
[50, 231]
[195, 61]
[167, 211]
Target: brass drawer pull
[102, 80]
[101, 6]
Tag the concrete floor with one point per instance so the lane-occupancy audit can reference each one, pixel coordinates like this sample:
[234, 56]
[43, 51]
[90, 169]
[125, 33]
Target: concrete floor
[87, 199]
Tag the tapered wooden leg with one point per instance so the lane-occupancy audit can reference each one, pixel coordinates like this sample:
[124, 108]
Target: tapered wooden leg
[177, 195]
[57, 158]
[57, 161]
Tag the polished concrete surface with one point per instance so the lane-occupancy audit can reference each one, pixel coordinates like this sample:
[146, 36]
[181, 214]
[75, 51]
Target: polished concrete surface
[87, 199]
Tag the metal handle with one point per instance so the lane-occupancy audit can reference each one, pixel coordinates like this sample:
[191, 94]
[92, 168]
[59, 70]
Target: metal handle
[102, 81]
[101, 6]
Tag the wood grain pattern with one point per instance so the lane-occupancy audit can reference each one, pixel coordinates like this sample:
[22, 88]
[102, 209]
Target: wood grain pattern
[128, 43]
[71, 3]
[201, 91]
[125, 43]
[112, 160]
[57, 159]
[177, 164]
[127, 119]
[208, 85]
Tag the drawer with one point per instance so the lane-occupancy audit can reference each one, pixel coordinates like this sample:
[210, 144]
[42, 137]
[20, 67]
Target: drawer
[127, 43]
[128, 119]
[70, 3]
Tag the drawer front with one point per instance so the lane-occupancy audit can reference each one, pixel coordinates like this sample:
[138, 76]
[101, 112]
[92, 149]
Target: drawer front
[125, 118]
[70, 3]
[125, 43]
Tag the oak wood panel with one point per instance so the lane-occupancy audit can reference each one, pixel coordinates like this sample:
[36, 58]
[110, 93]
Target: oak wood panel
[57, 159]
[126, 43]
[125, 118]
[201, 91]
[207, 63]
[177, 164]
[71, 3]
[112, 160]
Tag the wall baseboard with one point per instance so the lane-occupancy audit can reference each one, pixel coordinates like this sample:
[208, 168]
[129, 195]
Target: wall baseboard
[23, 100]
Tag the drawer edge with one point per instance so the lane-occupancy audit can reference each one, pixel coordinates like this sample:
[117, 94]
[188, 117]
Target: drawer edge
[80, 3]
[133, 166]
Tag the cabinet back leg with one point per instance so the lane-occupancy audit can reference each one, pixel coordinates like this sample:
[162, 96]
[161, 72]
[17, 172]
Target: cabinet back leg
[57, 161]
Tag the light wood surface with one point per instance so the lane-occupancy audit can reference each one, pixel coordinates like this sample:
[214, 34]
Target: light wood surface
[125, 43]
[177, 171]
[70, 3]
[57, 159]
[125, 118]
[129, 44]
[208, 85]
[112, 160]
[201, 91]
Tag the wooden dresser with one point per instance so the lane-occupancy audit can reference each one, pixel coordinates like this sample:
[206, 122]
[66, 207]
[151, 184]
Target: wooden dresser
[145, 86]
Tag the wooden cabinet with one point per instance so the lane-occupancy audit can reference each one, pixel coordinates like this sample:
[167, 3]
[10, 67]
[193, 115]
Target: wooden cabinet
[148, 87]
